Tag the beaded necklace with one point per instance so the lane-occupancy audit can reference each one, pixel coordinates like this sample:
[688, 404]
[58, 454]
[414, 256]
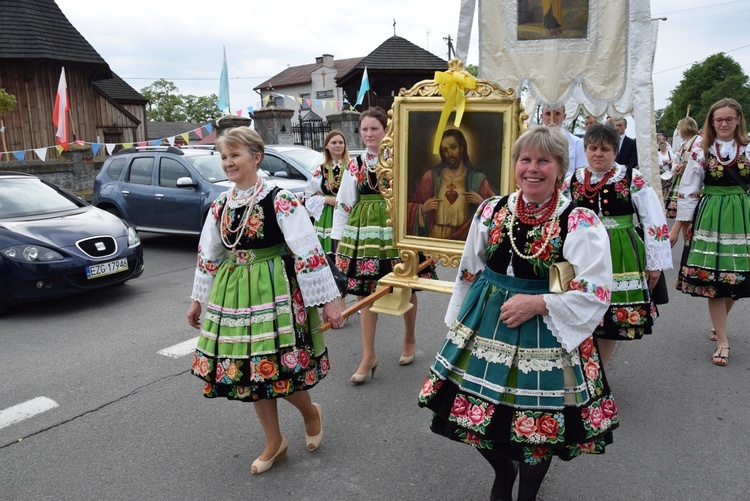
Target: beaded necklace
[334, 182]
[542, 219]
[591, 191]
[371, 169]
[731, 160]
[235, 201]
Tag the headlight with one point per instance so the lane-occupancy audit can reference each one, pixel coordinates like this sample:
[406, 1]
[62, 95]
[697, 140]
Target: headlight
[133, 238]
[31, 253]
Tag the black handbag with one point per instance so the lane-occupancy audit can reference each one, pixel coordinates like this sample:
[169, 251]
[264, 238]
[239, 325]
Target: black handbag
[660, 292]
[341, 281]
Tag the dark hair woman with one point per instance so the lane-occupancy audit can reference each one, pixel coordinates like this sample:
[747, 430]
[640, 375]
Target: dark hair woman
[365, 252]
[615, 193]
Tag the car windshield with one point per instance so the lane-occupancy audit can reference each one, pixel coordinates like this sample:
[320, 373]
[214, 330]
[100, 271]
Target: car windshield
[307, 158]
[208, 166]
[28, 197]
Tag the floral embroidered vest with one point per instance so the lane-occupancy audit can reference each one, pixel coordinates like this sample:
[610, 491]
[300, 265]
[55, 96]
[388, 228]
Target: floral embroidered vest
[528, 239]
[262, 229]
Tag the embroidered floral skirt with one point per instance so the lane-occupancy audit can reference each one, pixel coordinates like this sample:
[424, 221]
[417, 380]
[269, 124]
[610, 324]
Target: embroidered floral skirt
[517, 391]
[631, 313]
[670, 202]
[716, 259]
[323, 228]
[365, 253]
[257, 339]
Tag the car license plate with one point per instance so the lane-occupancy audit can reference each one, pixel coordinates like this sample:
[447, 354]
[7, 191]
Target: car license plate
[100, 270]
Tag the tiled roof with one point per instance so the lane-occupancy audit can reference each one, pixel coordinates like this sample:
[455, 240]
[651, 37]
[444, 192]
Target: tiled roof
[37, 29]
[395, 54]
[119, 90]
[162, 130]
[300, 75]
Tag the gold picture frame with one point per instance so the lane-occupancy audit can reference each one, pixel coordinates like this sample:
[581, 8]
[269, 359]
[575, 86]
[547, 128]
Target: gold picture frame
[493, 119]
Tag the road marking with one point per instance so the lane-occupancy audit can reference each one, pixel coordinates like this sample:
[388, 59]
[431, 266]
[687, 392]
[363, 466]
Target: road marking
[26, 410]
[180, 349]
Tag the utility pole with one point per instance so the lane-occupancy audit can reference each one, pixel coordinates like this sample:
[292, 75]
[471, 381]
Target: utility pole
[451, 50]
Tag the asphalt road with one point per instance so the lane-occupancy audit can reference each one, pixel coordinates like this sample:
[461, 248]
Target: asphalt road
[132, 424]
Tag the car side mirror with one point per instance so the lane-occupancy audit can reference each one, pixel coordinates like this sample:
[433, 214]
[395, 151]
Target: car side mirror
[186, 182]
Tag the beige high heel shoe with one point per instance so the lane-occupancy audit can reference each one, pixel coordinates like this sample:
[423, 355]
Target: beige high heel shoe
[358, 378]
[314, 441]
[405, 360]
[261, 466]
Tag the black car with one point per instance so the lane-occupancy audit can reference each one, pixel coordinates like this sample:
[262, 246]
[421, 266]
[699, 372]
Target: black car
[54, 244]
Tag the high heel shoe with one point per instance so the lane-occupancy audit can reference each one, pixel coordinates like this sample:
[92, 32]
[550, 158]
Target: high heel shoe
[261, 465]
[314, 441]
[405, 360]
[358, 378]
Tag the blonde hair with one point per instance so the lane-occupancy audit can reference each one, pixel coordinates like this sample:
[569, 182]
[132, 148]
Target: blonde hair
[547, 141]
[243, 137]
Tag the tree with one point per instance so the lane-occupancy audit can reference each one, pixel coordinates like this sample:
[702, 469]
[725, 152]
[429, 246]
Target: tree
[472, 69]
[717, 77]
[166, 104]
[202, 108]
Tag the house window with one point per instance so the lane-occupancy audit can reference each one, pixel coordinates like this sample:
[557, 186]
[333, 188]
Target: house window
[304, 105]
[322, 94]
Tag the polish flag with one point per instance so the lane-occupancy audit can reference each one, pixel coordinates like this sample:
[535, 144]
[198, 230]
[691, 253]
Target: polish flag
[60, 113]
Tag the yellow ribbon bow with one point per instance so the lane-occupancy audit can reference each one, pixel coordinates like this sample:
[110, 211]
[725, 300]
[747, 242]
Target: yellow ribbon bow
[453, 87]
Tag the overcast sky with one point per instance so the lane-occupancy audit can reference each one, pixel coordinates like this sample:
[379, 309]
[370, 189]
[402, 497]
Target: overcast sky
[182, 41]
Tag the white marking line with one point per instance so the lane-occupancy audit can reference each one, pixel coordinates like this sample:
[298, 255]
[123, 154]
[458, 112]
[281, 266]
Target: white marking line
[26, 410]
[180, 349]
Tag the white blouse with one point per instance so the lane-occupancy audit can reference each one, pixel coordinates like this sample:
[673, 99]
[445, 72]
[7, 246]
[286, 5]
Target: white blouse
[315, 279]
[692, 179]
[573, 315]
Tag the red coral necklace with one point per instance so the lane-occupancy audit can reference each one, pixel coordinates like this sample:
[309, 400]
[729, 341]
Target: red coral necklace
[591, 191]
[537, 215]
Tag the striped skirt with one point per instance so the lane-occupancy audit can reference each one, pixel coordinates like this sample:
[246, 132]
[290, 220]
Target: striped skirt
[516, 391]
[257, 339]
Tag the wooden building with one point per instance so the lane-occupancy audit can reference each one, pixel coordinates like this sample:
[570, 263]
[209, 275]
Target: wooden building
[36, 42]
[395, 64]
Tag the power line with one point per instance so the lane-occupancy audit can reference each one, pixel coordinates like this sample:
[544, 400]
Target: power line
[712, 6]
[696, 62]
[195, 78]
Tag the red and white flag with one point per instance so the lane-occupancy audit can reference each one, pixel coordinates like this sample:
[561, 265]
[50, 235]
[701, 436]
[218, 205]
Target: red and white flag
[60, 113]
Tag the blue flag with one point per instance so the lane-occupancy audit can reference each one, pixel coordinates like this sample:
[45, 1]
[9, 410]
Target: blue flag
[363, 88]
[223, 102]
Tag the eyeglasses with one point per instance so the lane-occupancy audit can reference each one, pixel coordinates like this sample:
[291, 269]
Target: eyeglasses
[728, 121]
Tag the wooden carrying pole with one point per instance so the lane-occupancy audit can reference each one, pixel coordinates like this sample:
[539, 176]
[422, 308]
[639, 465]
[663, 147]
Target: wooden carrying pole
[371, 298]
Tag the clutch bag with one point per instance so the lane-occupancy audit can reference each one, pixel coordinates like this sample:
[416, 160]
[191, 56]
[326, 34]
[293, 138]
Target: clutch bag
[560, 275]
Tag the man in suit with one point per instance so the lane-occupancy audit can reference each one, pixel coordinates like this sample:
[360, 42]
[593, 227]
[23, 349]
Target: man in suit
[554, 118]
[627, 154]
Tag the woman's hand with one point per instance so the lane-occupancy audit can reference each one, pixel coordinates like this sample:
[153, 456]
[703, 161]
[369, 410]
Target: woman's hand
[331, 201]
[331, 313]
[194, 314]
[522, 307]
[678, 168]
[652, 276]
[674, 233]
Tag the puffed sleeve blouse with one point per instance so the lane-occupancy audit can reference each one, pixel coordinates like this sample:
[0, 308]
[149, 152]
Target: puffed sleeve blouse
[573, 315]
[313, 274]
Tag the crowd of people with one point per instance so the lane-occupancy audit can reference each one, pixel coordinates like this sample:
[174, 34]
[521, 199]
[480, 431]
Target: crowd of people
[521, 373]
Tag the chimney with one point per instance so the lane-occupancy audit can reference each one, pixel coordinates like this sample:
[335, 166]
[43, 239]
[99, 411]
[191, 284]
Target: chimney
[327, 60]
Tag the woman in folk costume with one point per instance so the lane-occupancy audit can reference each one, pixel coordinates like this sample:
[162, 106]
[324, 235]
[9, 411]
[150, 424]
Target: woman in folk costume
[713, 195]
[365, 251]
[321, 190]
[616, 192]
[519, 376]
[688, 131]
[260, 340]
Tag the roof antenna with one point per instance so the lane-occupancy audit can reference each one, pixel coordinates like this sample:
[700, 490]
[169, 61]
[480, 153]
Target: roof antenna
[394, 26]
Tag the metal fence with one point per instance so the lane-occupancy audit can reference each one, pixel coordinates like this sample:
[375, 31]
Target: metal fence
[311, 133]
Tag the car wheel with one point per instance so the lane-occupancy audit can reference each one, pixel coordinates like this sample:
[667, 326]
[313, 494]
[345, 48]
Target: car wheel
[113, 211]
